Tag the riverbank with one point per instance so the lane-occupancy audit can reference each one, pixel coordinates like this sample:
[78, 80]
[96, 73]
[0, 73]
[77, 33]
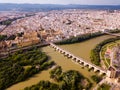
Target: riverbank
[59, 59]
[83, 48]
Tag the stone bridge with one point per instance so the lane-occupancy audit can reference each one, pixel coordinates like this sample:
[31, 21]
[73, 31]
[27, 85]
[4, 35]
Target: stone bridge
[79, 60]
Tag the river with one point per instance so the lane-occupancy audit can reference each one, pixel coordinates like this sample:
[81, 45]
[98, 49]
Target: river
[83, 49]
[79, 49]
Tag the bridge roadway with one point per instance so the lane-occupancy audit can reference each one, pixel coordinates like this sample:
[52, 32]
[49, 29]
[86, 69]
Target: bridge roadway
[112, 34]
[79, 60]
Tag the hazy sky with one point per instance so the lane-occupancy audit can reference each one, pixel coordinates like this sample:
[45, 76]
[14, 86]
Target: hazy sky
[88, 2]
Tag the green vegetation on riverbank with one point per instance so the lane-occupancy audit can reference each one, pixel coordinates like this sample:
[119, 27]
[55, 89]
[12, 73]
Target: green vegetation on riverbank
[12, 68]
[60, 61]
[69, 80]
[84, 37]
[43, 85]
[95, 53]
[96, 78]
[114, 31]
[80, 38]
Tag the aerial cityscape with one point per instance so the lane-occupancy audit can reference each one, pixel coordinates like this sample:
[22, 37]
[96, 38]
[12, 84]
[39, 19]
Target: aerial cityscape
[60, 45]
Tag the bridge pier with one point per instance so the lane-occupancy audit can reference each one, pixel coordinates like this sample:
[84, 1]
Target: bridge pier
[87, 65]
[90, 67]
[95, 70]
[62, 52]
[73, 58]
[70, 56]
[59, 51]
[77, 60]
[101, 73]
[81, 62]
[56, 49]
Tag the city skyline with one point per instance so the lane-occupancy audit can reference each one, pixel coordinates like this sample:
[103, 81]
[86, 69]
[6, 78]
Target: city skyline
[82, 2]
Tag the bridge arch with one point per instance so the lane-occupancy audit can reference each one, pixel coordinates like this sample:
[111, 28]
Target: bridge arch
[82, 63]
[87, 65]
[70, 56]
[91, 68]
[97, 71]
[78, 61]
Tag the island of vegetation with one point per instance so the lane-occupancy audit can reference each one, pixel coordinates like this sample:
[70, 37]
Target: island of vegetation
[68, 80]
[22, 65]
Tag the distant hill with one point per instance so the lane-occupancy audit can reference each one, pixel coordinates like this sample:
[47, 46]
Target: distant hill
[48, 7]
